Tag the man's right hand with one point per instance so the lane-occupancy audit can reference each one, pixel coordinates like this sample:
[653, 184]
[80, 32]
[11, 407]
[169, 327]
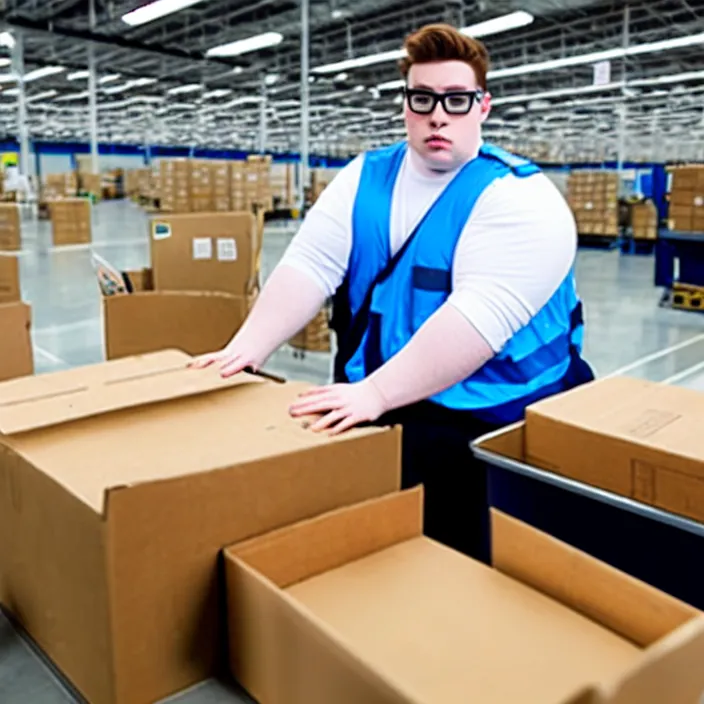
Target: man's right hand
[232, 359]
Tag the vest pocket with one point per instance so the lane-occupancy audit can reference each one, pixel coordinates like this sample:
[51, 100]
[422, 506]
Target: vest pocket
[431, 287]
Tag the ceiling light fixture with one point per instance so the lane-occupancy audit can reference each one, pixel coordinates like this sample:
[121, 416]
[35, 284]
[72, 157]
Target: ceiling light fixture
[109, 78]
[217, 93]
[4, 62]
[243, 46]
[42, 72]
[155, 10]
[187, 88]
[77, 75]
[503, 23]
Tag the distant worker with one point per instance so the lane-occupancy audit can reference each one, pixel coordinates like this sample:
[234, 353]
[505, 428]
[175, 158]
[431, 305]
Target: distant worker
[451, 266]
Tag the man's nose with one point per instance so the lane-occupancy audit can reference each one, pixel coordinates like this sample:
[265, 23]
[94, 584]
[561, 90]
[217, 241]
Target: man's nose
[438, 117]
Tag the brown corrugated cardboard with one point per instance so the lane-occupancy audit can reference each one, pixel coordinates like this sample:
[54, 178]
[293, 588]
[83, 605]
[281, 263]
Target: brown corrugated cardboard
[9, 279]
[636, 438]
[71, 221]
[16, 357]
[121, 484]
[193, 322]
[205, 252]
[10, 230]
[357, 606]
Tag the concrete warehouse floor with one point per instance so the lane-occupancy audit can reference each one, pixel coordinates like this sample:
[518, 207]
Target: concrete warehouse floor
[626, 332]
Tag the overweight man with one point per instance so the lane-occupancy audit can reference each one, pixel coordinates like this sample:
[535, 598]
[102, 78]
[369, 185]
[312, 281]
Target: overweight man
[451, 266]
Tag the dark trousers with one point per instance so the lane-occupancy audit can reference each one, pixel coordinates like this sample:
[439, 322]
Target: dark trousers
[436, 454]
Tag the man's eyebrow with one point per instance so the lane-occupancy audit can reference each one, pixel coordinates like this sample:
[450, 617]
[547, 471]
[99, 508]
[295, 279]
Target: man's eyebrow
[445, 89]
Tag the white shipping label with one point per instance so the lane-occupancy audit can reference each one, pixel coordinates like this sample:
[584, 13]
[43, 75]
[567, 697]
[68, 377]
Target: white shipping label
[227, 249]
[202, 248]
[699, 201]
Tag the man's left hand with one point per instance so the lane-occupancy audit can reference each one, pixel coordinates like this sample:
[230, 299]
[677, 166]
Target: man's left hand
[343, 406]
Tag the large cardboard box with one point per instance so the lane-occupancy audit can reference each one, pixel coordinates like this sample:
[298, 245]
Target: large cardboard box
[192, 321]
[71, 221]
[121, 483]
[357, 606]
[9, 279]
[205, 252]
[636, 438]
[16, 358]
[10, 229]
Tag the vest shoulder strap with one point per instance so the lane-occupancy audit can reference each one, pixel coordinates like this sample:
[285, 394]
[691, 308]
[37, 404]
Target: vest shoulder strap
[519, 165]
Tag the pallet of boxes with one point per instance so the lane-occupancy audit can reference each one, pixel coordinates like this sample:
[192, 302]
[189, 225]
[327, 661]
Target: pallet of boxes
[686, 212]
[71, 221]
[203, 280]
[644, 221]
[16, 357]
[593, 198]
[315, 337]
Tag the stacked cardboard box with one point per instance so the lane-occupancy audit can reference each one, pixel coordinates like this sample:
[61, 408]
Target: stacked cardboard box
[644, 220]
[16, 358]
[201, 183]
[258, 181]
[221, 185]
[60, 186]
[175, 183]
[593, 197]
[91, 183]
[71, 221]
[687, 199]
[10, 229]
[315, 337]
[238, 196]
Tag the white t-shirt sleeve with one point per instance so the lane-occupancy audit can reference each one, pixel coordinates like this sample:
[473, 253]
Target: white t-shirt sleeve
[321, 247]
[516, 249]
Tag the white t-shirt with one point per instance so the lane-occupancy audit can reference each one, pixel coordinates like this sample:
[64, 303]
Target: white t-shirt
[515, 250]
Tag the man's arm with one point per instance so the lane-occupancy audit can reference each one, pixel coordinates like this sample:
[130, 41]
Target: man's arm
[311, 270]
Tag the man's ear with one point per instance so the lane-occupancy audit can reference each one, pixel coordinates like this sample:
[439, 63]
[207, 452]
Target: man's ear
[485, 106]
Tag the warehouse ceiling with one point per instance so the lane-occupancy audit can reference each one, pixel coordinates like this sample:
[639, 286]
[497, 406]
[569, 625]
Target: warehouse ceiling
[158, 85]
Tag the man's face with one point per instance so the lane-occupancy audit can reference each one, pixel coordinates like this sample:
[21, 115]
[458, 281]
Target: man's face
[442, 139]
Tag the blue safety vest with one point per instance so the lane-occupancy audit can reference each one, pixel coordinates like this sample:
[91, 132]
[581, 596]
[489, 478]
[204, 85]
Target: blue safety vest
[538, 361]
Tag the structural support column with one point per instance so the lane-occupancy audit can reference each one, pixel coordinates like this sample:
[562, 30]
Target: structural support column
[22, 127]
[92, 96]
[262, 118]
[305, 102]
[623, 110]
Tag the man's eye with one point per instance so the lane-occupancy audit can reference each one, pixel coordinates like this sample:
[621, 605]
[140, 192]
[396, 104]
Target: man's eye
[457, 101]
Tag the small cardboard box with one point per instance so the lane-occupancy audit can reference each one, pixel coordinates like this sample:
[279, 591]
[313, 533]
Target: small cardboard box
[357, 606]
[205, 252]
[10, 229]
[9, 279]
[119, 485]
[636, 438]
[16, 358]
[192, 321]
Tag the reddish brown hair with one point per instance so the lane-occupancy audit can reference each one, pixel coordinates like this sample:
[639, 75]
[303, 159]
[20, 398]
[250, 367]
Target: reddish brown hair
[442, 42]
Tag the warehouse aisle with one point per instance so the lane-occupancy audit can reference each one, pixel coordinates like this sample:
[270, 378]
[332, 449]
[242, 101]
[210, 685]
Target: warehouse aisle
[624, 322]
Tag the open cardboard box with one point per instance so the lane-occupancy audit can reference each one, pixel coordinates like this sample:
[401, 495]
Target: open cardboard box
[119, 485]
[357, 606]
[144, 321]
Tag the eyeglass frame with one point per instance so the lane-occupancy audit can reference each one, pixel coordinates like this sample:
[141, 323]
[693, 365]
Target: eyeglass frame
[475, 96]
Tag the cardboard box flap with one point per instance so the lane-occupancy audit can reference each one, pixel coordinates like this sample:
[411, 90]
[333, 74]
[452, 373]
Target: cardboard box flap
[312, 547]
[31, 406]
[610, 597]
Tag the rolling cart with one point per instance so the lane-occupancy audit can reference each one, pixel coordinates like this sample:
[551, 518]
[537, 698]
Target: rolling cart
[657, 547]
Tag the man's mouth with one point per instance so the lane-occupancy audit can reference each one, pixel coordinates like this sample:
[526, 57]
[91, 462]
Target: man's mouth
[437, 141]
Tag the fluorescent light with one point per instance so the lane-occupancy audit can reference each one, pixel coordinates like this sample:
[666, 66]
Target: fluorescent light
[11, 91]
[187, 88]
[509, 99]
[109, 78]
[72, 96]
[513, 20]
[41, 96]
[42, 72]
[7, 40]
[4, 62]
[243, 46]
[217, 93]
[143, 81]
[78, 75]
[155, 10]
[673, 78]
[493, 26]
